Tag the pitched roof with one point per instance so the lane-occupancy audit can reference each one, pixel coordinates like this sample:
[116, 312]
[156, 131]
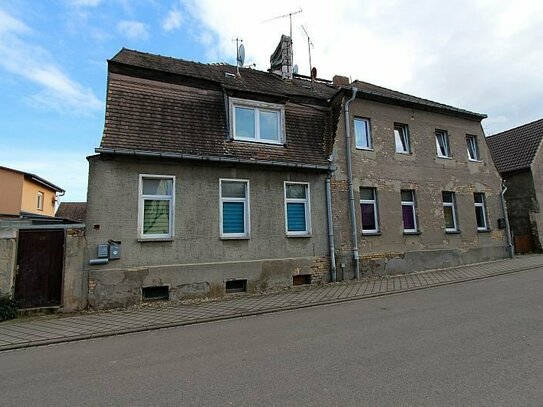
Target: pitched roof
[515, 149]
[148, 113]
[378, 92]
[72, 210]
[35, 178]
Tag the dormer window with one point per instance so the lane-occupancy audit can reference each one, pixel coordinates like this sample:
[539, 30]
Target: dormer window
[257, 121]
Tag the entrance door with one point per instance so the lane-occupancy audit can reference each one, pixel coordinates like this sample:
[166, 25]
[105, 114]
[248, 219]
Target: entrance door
[40, 258]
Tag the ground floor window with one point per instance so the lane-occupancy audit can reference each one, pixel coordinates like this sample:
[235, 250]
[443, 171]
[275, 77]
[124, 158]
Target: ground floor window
[409, 211]
[480, 211]
[234, 208]
[297, 209]
[368, 209]
[156, 206]
[449, 211]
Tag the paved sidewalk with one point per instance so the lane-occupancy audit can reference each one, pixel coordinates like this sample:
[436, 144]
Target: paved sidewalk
[23, 333]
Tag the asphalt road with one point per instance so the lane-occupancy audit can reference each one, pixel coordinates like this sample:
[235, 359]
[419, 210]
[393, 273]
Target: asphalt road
[472, 344]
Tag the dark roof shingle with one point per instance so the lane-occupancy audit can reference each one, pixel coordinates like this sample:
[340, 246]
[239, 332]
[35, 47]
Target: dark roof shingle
[76, 211]
[515, 149]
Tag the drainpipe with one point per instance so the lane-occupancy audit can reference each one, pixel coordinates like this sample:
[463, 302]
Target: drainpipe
[354, 232]
[333, 269]
[507, 227]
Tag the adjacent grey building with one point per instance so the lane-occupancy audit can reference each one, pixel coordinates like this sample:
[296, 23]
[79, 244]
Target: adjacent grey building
[519, 159]
[421, 186]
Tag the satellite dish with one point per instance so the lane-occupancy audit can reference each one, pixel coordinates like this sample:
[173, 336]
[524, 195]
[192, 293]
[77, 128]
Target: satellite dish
[295, 69]
[241, 55]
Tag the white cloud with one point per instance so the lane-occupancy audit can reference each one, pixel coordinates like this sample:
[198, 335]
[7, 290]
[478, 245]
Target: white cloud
[35, 64]
[83, 3]
[172, 21]
[133, 30]
[481, 55]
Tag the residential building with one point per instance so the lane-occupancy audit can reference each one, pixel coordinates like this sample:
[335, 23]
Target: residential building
[209, 181]
[76, 211]
[425, 193]
[519, 159]
[26, 193]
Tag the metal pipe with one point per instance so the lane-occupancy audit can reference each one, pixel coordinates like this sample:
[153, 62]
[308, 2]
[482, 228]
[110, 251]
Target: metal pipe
[95, 262]
[510, 250]
[333, 270]
[354, 231]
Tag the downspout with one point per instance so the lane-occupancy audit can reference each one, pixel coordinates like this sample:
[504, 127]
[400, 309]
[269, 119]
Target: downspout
[354, 232]
[507, 227]
[333, 270]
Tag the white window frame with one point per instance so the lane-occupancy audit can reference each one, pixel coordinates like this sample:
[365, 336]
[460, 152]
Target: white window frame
[375, 212]
[413, 204]
[451, 205]
[445, 136]
[257, 106]
[481, 205]
[471, 139]
[141, 206]
[246, 210]
[307, 207]
[405, 132]
[41, 197]
[369, 140]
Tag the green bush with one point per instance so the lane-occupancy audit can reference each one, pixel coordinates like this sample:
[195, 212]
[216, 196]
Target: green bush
[8, 308]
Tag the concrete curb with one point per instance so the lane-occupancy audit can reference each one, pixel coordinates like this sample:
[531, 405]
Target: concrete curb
[270, 310]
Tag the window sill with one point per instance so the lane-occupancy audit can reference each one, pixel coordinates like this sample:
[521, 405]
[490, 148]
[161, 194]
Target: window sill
[475, 161]
[412, 233]
[484, 230]
[257, 141]
[304, 235]
[235, 237]
[155, 239]
[364, 148]
[444, 158]
[371, 233]
[453, 232]
[403, 152]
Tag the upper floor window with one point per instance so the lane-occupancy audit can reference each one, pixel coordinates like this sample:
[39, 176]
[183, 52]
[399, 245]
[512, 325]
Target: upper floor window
[40, 201]
[257, 121]
[298, 214]
[234, 208]
[156, 206]
[480, 211]
[362, 133]
[401, 138]
[442, 144]
[473, 148]
[368, 208]
[449, 211]
[409, 211]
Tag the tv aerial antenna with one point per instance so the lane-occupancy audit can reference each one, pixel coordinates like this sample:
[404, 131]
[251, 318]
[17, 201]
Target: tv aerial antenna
[289, 15]
[309, 46]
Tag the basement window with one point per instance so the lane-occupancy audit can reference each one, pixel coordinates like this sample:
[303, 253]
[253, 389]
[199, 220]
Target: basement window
[155, 293]
[301, 279]
[236, 286]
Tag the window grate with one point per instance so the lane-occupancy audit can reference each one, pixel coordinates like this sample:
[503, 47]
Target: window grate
[155, 293]
[236, 286]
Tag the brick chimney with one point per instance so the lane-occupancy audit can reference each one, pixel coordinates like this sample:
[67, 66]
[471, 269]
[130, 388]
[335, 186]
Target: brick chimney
[339, 80]
[281, 59]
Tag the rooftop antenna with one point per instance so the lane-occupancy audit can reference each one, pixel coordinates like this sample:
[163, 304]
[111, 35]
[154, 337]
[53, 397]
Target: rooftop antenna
[289, 15]
[240, 53]
[309, 46]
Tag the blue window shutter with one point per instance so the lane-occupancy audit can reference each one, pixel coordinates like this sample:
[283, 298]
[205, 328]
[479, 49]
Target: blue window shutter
[296, 217]
[233, 217]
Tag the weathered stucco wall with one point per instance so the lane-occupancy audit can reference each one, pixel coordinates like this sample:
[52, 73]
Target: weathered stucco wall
[75, 282]
[8, 254]
[196, 261]
[537, 215]
[521, 200]
[391, 250]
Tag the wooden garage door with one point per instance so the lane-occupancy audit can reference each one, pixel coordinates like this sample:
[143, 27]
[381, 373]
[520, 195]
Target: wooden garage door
[40, 258]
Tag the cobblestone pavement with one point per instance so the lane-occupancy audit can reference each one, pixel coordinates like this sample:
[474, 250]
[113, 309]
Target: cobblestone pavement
[26, 332]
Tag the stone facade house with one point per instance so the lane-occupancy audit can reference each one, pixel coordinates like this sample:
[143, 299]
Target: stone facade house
[519, 159]
[206, 181]
[212, 179]
[421, 186]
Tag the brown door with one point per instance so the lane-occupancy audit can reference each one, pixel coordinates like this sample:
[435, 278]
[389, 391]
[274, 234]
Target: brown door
[523, 244]
[40, 258]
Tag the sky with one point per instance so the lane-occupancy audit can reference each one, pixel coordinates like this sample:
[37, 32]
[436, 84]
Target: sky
[480, 55]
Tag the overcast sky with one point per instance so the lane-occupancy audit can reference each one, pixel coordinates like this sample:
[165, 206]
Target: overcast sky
[479, 55]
